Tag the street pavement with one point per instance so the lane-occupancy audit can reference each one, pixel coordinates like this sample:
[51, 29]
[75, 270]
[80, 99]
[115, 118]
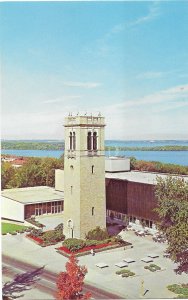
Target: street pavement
[154, 284]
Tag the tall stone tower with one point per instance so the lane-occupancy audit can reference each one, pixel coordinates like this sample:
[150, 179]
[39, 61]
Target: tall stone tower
[84, 182]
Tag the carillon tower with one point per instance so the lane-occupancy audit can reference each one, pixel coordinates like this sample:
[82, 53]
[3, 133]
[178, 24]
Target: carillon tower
[84, 169]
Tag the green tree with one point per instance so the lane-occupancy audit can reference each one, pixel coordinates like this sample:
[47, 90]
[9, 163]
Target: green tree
[48, 165]
[30, 174]
[7, 175]
[172, 196]
[132, 162]
[39, 171]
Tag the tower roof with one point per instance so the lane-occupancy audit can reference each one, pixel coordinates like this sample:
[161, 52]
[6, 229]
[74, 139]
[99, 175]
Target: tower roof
[84, 120]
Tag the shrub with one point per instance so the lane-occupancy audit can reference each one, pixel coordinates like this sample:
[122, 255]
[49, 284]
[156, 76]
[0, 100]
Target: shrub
[152, 267]
[92, 242]
[155, 266]
[53, 236]
[36, 223]
[59, 227]
[122, 271]
[36, 232]
[97, 234]
[128, 274]
[125, 273]
[182, 296]
[181, 290]
[74, 244]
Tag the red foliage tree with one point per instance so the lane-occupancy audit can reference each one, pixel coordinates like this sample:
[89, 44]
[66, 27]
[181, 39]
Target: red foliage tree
[70, 283]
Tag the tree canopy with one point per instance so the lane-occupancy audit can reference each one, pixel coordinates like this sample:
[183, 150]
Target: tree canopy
[70, 283]
[156, 166]
[36, 171]
[172, 196]
[7, 175]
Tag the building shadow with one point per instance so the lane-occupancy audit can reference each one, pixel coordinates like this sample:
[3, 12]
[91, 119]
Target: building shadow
[21, 283]
[113, 229]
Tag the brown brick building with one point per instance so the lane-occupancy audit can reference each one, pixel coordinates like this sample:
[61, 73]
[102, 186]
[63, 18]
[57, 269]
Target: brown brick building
[132, 194]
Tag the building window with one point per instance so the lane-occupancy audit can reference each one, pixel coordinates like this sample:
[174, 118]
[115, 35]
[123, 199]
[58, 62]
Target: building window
[92, 211]
[94, 141]
[74, 141]
[71, 167]
[147, 223]
[89, 146]
[71, 189]
[132, 219]
[92, 169]
[70, 139]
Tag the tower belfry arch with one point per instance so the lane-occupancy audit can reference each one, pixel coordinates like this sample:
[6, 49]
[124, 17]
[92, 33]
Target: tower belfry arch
[84, 167]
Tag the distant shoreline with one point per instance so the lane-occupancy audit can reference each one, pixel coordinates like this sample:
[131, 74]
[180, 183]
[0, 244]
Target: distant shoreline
[18, 145]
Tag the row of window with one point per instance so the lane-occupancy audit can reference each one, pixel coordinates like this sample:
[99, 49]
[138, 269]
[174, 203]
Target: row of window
[48, 208]
[144, 222]
[91, 141]
[132, 219]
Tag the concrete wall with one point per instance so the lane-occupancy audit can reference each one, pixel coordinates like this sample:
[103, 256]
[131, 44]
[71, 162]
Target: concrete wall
[59, 180]
[11, 209]
[117, 164]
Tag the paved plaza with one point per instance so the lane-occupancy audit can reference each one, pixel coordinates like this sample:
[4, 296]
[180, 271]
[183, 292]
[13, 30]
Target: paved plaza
[155, 283]
[50, 221]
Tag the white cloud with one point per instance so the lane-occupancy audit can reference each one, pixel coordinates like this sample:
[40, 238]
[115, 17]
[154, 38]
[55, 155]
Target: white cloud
[102, 44]
[153, 13]
[87, 85]
[170, 95]
[146, 117]
[62, 99]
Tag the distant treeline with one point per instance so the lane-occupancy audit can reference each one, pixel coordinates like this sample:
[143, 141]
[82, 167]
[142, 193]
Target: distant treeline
[18, 145]
[41, 171]
[32, 145]
[158, 167]
[155, 148]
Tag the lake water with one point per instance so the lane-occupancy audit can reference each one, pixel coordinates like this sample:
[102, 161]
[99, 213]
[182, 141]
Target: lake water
[174, 157]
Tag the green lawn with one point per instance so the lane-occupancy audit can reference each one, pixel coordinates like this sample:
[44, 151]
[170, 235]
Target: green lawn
[8, 227]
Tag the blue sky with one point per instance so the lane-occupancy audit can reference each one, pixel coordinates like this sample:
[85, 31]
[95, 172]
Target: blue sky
[128, 60]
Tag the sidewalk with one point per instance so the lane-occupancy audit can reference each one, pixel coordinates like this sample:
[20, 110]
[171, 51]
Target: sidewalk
[24, 249]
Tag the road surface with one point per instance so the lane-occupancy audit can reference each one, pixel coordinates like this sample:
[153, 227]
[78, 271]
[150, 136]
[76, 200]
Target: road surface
[47, 282]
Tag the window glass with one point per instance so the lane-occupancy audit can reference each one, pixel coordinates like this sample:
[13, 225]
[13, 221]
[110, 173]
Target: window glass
[89, 146]
[94, 141]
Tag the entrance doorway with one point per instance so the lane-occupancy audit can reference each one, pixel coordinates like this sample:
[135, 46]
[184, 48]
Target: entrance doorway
[38, 211]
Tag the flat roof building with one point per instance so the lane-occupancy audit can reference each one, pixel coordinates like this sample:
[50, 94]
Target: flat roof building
[117, 164]
[132, 194]
[129, 194]
[141, 177]
[23, 203]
